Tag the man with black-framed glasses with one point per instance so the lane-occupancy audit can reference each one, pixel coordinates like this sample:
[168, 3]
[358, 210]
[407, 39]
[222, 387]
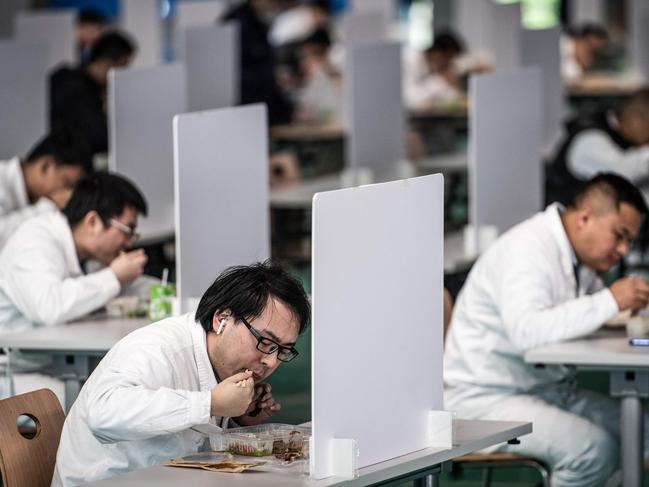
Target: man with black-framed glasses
[141, 404]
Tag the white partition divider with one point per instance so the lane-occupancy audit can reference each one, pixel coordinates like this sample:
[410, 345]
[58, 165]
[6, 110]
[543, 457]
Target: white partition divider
[374, 112]
[23, 97]
[541, 48]
[195, 14]
[364, 28]
[586, 11]
[221, 189]
[211, 58]
[506, 25]
[505, 184]
[142, 104]
[53, 28]
[638, 22]
[472, 19]
[141, 19]
[198, 13]
[388, 8]
[377, 272]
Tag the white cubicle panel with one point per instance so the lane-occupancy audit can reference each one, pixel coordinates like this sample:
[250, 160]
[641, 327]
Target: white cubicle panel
[541, 48]
[388, 8]
[23, 97]
[141, 105]
[587, 11]
[195, 13]
[374, 112]
[364, 28]
[221, 190]
[211, 58]
[377, 318]
[198, 13]
[506, 25]
[472, 20]
[53, 28]
[638, 22]
[505, 184]
[142, 20]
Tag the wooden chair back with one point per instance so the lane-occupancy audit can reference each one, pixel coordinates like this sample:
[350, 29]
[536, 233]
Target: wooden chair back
[30, 462]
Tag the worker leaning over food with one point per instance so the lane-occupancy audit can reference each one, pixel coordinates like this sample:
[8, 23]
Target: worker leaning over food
[138, 406]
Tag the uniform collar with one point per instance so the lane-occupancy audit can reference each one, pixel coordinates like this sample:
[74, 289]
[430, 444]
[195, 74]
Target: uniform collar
[62, 228]
[206, 377]
[568, 257]
[17, 180]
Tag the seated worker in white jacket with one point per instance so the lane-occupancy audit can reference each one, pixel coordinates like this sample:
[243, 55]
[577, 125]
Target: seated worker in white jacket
[431, 78]
[42, 281]
[43, 181]
[536, 285]
[138, 407]
[608, 141]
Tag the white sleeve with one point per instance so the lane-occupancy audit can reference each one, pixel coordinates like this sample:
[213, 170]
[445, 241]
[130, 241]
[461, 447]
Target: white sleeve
[131, 402]
[37, 283]
[531, 316]
[9, 222]
[593, 152]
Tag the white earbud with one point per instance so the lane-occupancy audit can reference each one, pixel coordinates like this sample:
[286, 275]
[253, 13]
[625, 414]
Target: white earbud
[221, 325]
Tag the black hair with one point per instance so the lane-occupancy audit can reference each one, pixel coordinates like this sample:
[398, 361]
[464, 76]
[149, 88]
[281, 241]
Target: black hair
[617, 188]
[447, 42]
[91, 16]
[638, 102]
[591, 29]
[319, 37]
[245, 291]
[67, 148]
[113, 45]
[106, 193]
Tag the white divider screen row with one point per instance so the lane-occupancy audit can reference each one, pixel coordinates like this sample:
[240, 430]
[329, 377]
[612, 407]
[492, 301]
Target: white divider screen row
[374, 112]
[53, 28]
[140, 136]
[505, 184]
[221, 189]
[23, 97]
[377, 268]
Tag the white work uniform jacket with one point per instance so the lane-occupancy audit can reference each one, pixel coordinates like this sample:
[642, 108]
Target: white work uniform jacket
[15, 207]
[41, 280]
[520, 294]
[421, 88]
[136, 408]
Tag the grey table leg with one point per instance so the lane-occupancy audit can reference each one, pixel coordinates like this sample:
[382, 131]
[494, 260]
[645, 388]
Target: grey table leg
[73, 370]
[632, 431]
[72, 388]
[631, 386]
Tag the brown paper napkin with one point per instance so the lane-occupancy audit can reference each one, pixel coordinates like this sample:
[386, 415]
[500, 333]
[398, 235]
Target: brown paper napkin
[228, 465]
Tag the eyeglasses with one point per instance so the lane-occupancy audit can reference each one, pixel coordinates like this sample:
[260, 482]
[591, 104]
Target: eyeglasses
[268, 346]
[130, 233]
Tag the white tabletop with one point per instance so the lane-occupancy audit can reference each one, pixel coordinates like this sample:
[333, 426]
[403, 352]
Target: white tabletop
[470, 436]
[602, 350]
[81, 336]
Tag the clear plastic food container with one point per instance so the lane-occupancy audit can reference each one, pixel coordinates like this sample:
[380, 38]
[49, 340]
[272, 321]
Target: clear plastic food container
[286, 442]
